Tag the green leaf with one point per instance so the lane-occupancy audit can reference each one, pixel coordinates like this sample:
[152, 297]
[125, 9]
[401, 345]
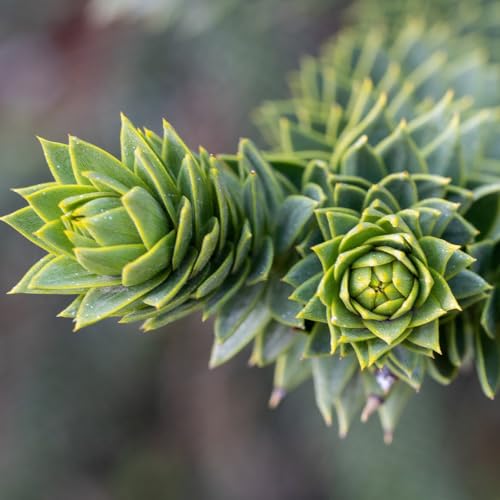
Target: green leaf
[427, 218]
[369, 260]
[147, 214]
[171, 316]
[192, 184]
[105, 183]
[129, 140]
[26, 191]
[71, 310]
[390, 330]
[184, 233]
[290, 370]
[222, 207]
[340, 316]
[24, 286]
[408, 365]
[318, 343]
[174, 149]
[262, 264]
[486, 201]
[154, 141]
[488, 364]
[108, 260]
[303, 270]
[45, 202]
[330, 376]
[349, 404]
[459, 231]
[149, 264]
[307, 290]
[377, 349]
[78, 240]
[314, 310]
[173, 284]
[347, 196]
[255, 208]
[145, 312]
[225, 292]
[399, 151]
[208, 245]
[84, 204]
[467, 284]
[438, 252]
[254, 323]
[457, 263]
[490, 316]
[234, 312]
[362, 353]
[359, 257]
[87, 157]
[100, 303]
[88, 205]
[442, 292]
[271, 343]
[441, 154]
[282, 308]
[425, 280]
[243, 246]
[65, 273]
[27, 222]
[58, 160]
[361, 160]
[358, 235]
[429, 311]
[54, 236]
[402, 187]
[341, 223]
[217, 277]
[327, 252]
[426, 336]
[314, 192]
[431, 186]
[111, 227]
[252, 160]
[158, 180]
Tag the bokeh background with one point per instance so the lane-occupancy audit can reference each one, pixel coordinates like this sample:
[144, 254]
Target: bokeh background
[113, 414]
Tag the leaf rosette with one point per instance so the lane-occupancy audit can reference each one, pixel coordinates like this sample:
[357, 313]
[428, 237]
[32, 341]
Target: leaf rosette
[392, 268]
[149, 237]
[381, 288]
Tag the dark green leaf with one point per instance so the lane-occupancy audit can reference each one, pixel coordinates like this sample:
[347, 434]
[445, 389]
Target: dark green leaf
[254, 323]
[100, 303]
[235, 311]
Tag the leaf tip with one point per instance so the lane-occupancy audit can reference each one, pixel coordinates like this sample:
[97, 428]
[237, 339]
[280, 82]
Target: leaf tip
[327, 417]
[277, 395]
[373, 403]
[388, 436]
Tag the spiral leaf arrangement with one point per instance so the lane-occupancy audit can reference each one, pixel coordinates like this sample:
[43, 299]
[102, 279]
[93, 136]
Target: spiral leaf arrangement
[388, 270]
[153, 236]
[362, 251]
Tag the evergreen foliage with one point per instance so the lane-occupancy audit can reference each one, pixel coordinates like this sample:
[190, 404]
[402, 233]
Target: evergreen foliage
[361, 251]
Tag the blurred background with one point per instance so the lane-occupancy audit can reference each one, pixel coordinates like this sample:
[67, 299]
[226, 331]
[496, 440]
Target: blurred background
[113, 414]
